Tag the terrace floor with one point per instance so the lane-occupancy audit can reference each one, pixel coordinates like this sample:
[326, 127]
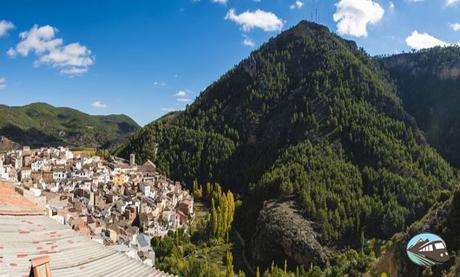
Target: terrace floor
[26, 233]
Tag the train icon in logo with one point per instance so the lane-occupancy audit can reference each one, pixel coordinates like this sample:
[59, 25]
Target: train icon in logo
[427, 250]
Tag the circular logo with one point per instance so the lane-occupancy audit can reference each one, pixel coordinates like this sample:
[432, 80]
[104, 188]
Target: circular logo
[427, 250]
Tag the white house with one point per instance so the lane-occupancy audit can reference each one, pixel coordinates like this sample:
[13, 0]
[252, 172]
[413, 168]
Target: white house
[59, 174]
[26, 173]
[37, 165]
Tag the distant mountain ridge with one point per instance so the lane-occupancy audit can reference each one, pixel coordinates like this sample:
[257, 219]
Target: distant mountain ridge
[40, 124]
[428, 83]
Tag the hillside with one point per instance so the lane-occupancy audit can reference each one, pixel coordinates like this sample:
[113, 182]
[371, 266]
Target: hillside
[428, 82]
[40, 124]
[312, 119]
[443, 219]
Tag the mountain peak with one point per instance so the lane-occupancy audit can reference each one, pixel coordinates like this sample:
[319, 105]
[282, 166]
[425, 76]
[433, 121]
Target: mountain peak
[304, 29]
[306, 25]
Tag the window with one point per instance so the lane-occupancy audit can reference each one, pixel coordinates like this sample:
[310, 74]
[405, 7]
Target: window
[439, 245]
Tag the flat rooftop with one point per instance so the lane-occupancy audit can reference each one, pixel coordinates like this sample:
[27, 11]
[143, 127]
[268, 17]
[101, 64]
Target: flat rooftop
[24, 236]
[12, 203]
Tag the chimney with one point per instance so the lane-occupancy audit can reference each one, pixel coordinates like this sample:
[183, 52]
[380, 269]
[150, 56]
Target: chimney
[132, 159]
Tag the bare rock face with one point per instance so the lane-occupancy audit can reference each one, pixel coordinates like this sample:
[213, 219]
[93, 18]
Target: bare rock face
[283, 233]
[7, 144]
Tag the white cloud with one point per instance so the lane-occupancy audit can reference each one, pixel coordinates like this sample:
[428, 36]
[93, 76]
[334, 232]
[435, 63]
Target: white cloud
[183, 100]
[423, 40]
[182, 96]
[38, 40]
[5, 26]
[74, 71]
[391, 6]
[248, 42]
[2, 83]
[181, 93]
[451, 2]
[297, 5]
[248, 20]
[455, 26]
[159, 83]
[71, 59]
[99, 105]
[223, 2]
[354, 16]
[168, 109]
[11, 53]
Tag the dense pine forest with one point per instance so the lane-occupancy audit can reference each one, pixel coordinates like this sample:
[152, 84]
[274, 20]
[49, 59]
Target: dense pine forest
[308, 119]
[428, 83]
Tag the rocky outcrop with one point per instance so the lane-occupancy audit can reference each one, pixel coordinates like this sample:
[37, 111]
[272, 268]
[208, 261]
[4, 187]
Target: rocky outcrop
[282, 232]
[7, 144]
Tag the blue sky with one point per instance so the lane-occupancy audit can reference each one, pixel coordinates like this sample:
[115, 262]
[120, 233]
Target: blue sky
[145, 58]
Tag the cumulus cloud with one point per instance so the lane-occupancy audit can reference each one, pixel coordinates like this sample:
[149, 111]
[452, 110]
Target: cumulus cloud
[2, 83]
[70, 59]
[5, 26]
[249, 20]
[423, 40]
[223, 2]
[182, 96]
[297, 5]
[455, 26]
[98, 105]
[73, 57]
[38, 40]
[248, 42]
[354, 16]
[181, 93]
[451, 2]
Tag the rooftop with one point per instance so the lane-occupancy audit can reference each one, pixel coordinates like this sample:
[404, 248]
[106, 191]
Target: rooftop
[12, 203]
[25, 234]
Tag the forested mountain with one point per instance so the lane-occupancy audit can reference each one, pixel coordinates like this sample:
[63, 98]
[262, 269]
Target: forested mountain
[428, 82]
[40, 124]
[312, 120]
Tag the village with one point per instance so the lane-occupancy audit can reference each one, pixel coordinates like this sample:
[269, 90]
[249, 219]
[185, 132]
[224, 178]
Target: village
[116, 203]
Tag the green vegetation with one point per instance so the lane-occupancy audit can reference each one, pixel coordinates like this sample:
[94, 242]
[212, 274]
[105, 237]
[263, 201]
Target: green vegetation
[40, 124]
[348, 263]
[308, 117]
[428, 82]
[205, 249]
[442, 219]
